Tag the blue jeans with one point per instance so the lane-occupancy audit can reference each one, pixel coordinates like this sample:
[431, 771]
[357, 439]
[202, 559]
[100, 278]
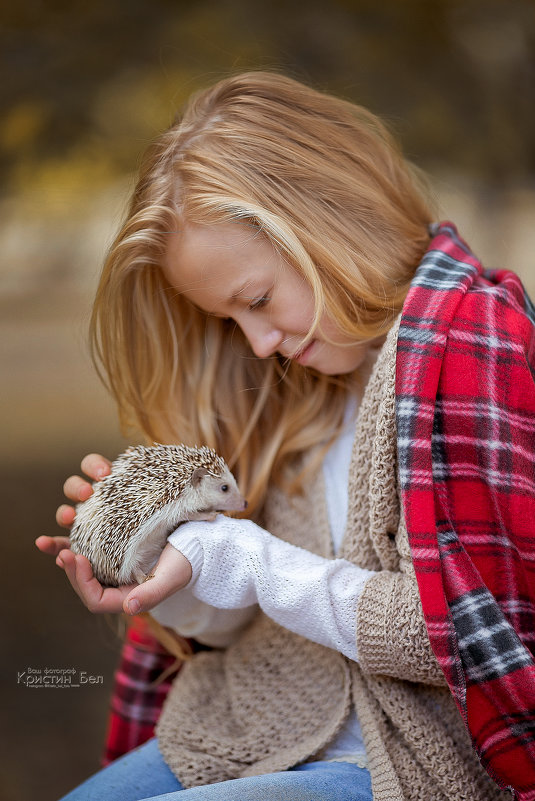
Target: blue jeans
[142, 774]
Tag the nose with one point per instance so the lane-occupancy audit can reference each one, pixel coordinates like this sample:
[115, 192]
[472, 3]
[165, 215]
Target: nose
[263, 338]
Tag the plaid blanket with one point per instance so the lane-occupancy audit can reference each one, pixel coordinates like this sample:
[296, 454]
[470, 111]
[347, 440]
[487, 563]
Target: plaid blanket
[465, 412]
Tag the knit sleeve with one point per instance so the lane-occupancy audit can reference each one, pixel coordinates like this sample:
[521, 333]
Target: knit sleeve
[236, 563]
[391, 633]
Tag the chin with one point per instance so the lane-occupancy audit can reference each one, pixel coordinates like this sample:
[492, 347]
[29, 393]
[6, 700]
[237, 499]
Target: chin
[333, 370]
[340, 366]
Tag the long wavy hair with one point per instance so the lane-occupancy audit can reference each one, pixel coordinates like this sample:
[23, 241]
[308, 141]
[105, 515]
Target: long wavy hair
[326, 183]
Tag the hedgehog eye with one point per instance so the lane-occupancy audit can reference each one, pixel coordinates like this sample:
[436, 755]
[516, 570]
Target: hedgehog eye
[224, 488]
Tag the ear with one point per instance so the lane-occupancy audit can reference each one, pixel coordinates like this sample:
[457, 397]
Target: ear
[197, 476]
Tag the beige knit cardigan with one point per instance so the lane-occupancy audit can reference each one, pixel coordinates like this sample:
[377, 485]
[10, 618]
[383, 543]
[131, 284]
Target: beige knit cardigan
[274, 699]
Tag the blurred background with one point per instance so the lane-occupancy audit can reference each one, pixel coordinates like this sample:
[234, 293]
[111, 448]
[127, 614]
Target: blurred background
[85, 86]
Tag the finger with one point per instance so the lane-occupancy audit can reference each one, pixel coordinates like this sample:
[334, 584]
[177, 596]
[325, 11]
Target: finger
[96, 466]
[77, 488]
[52, 545]
[94, 596]
[171, 573]
[65, 516]
[66, 560]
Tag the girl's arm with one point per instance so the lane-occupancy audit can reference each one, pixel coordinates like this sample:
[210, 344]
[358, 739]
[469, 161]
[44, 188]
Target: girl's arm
[373, 617]
[392, 637]
[235, 563]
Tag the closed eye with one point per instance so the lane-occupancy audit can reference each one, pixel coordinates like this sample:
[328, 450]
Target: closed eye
[258, 303]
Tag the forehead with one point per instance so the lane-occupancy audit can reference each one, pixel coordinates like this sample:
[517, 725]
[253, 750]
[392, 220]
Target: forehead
[217, 256]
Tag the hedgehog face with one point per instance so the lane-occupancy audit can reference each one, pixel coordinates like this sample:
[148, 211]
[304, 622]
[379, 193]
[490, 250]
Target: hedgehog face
[216, 493]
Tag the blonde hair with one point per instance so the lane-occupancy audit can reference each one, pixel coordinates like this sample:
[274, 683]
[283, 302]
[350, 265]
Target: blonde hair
[326, 183]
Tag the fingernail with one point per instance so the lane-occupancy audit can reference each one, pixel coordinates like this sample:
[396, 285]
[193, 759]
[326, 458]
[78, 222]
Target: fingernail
[134, 606]
[59, 562]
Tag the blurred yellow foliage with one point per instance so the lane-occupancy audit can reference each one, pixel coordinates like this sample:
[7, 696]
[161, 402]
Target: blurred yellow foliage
[135, 106]
[21, 126]
[63, 185]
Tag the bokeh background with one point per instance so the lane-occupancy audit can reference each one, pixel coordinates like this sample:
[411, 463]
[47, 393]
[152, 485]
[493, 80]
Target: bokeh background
[85, 85]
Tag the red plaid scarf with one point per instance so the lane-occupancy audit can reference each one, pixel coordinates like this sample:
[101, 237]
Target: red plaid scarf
[465, 413]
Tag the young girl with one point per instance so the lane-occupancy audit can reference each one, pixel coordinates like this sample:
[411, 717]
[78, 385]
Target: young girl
[253, 302]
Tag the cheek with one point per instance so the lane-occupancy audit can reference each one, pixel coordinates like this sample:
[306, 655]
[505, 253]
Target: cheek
[338, 360]
[293, 299]
[330, 331]
[299, 314]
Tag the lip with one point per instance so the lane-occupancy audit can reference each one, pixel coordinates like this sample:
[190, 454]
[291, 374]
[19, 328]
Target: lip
[302, 356]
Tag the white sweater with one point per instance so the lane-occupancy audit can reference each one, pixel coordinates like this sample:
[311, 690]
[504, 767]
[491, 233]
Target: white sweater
[237, 565]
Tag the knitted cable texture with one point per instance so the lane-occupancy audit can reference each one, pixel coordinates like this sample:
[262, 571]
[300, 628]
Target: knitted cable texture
[274, 698]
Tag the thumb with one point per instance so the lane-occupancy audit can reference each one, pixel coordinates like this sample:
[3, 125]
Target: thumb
[171, 573]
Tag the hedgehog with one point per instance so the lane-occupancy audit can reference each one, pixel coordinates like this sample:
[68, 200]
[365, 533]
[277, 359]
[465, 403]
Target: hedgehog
[123, 526]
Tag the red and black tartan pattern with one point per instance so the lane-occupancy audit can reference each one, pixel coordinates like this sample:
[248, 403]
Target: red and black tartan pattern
[465, 413]
[138, 693]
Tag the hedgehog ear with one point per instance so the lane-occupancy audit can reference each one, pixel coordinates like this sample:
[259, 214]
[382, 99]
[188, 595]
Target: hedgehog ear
[197, 476]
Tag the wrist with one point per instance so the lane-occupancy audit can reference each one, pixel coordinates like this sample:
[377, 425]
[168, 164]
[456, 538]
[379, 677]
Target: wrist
[187, 540]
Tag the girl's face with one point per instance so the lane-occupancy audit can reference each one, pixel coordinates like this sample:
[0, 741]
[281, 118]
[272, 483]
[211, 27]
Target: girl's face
[230, 270]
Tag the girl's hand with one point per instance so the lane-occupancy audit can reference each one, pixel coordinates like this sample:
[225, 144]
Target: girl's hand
[174, 570]
[171, 573]
[77, 489]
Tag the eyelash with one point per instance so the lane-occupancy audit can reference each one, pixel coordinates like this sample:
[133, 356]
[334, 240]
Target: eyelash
[258, 303]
